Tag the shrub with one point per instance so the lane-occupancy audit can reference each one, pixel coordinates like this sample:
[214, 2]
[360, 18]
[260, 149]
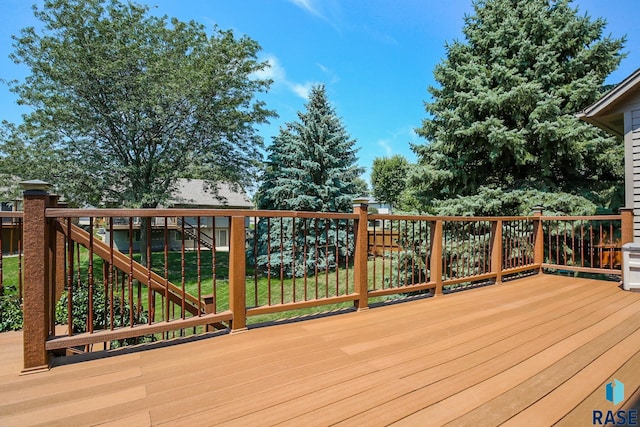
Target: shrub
[10, 314]
[101, 313]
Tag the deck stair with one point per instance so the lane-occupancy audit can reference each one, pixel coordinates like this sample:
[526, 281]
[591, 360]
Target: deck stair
[141, 273]
[191, 231]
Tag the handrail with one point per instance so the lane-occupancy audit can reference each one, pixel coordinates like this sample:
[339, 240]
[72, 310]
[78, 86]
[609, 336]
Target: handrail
[393, 217]
[140, 272]
[75, 213]
[11, 214]
[580, 218]
[295, 259]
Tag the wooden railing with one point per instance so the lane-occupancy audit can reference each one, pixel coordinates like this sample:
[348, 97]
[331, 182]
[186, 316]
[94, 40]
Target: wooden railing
[116, 287]
[300, 260]
[143, 293]
[442, 252]
[590, 244]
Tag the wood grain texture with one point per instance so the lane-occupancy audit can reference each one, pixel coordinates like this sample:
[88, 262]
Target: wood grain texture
[532, 351]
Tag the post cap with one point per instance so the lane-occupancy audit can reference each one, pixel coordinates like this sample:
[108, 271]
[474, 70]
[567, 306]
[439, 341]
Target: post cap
[35, 186]
[361, 200]
[537, 208]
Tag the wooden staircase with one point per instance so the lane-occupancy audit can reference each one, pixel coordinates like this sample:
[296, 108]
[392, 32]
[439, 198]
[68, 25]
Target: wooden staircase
[191, 231]
[201, 314]
[141, 273]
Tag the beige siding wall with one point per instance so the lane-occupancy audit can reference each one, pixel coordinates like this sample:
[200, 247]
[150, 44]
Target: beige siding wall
[634, 134]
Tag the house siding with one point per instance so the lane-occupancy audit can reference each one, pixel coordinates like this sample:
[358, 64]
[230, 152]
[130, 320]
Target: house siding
[618, 113]
[634, 134]
[221, 231]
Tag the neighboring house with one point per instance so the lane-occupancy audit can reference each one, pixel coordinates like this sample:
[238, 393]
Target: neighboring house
[376, 208]
[6, 206]
[189, 194]
[380, 243]
[381, 208]
[618, 112]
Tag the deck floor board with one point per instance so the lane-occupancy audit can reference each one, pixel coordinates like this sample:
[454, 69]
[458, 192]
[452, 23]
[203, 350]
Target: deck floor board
[532, 351]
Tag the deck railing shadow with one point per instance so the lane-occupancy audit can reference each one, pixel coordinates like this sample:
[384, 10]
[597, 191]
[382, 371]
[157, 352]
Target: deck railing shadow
[147, 279]
[103, 354]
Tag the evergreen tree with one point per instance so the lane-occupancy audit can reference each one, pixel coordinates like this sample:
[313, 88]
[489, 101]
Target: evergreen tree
[311, 167]
[504, 112]
[311, 164]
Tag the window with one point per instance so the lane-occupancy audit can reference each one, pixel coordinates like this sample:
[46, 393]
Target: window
[221, 237]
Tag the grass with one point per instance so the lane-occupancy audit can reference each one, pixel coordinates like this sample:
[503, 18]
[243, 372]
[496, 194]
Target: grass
[260, 292]
[10, 270]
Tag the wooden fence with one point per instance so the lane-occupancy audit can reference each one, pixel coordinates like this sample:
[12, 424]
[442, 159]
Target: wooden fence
[277, 261]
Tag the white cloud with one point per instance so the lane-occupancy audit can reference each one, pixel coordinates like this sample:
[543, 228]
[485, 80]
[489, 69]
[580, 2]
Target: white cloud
[277, 73]
[330, 11]
[302, 90]
[308, 5]
[273, 71]
[379, 36]
[397, 139]
[386, 146]
[413, 135]
[401, 135]
[332, 77]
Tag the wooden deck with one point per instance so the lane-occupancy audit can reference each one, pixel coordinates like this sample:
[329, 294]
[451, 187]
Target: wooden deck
[533, 351]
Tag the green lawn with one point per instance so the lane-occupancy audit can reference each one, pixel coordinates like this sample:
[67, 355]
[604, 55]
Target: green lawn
[264, 291]
[10, 269]
[257, 292]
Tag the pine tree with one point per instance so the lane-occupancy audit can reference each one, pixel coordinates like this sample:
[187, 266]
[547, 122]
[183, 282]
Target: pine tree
[311, 164]
[311, 167]
[504, 112]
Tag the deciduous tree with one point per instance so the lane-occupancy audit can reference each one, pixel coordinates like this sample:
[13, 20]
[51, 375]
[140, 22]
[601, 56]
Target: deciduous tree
[136, 101]
[389, 178]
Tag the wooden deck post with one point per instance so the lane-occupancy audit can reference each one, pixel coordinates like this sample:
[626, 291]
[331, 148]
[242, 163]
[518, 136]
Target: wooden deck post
[496, 250]
[538, 236]
[360, 272]
[38, 254]
[627, 225]
[237, 275]
[435, 261]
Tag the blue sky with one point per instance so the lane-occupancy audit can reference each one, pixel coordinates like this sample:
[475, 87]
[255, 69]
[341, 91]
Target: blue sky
[375, 57]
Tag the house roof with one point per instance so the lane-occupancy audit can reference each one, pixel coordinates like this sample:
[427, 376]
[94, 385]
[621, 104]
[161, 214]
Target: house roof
[606, 112]
[197, 192]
